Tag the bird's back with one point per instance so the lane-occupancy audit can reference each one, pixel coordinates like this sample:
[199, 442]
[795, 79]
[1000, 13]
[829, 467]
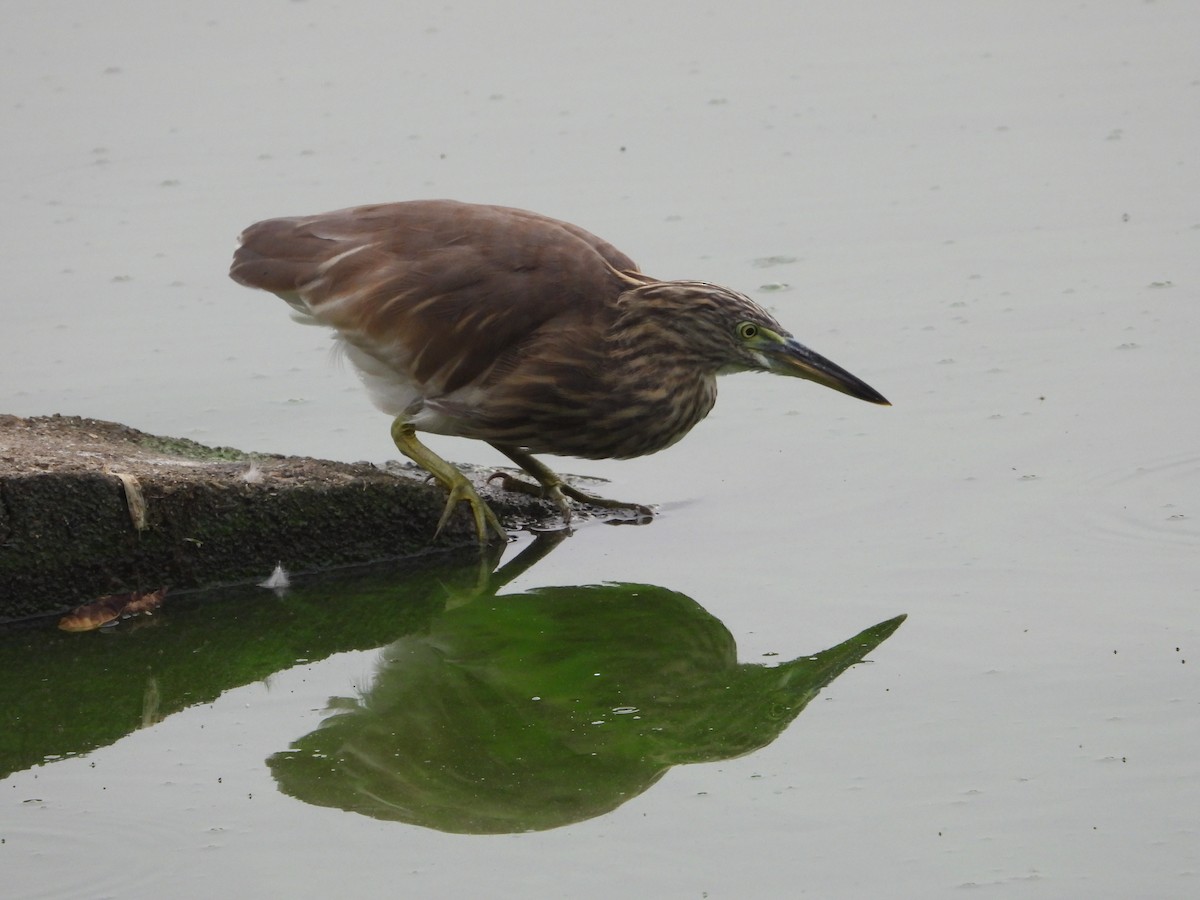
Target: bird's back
[438, 288]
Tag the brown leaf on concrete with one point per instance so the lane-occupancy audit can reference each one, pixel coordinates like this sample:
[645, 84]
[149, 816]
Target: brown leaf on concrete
[135, 500]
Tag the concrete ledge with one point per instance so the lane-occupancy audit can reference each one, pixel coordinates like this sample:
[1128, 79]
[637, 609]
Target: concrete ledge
[89, 508]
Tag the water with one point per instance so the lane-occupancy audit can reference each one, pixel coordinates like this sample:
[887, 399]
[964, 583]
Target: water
[956, 223]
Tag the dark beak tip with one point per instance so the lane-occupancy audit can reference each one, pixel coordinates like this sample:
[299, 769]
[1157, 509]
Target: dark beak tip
[864, 391]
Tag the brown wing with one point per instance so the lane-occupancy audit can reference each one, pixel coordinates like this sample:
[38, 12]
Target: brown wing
[450, 287]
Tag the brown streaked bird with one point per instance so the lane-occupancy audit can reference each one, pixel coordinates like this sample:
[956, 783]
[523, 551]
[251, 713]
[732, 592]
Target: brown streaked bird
[513, 328]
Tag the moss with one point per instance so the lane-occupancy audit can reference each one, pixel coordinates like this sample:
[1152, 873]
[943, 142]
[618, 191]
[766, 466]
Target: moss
[189, 449]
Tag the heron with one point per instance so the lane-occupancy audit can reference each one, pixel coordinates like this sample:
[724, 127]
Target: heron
[524, 331]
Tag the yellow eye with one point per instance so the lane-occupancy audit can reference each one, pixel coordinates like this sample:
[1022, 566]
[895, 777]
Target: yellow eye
[747, 331]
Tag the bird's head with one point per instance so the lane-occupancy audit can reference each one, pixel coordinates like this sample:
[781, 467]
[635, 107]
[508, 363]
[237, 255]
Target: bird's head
[725, 332]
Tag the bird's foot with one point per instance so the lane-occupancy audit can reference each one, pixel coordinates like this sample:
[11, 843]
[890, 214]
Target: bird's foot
[454, 481]
[515, 485]
[643, 512]
[543, 492]
[557, 491]
[461, 490]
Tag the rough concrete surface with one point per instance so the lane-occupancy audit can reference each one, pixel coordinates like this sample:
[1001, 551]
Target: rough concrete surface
[90, 507]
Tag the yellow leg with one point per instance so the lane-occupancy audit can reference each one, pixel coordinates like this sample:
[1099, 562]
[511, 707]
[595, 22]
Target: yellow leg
[454, 481]
[555, 489]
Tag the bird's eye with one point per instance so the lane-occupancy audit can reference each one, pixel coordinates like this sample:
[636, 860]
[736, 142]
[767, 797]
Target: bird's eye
[747, 330]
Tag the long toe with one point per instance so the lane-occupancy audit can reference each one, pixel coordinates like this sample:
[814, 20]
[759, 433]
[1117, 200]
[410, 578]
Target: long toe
[604, 502]
[551, 491]
[463, 491]
[516, 485]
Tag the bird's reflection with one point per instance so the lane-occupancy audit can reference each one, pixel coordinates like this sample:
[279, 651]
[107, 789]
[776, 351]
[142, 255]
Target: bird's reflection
[534, 710]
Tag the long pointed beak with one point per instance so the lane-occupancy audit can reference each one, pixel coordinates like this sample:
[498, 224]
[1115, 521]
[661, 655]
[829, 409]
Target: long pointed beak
[793, 358]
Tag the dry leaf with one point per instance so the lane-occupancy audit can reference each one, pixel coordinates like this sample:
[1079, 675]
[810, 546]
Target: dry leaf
[100, 612]
[134, 499]
[92, 615]
[144, 603]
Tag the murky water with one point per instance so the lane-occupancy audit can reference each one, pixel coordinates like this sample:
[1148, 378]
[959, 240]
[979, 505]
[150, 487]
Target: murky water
[988, 214]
